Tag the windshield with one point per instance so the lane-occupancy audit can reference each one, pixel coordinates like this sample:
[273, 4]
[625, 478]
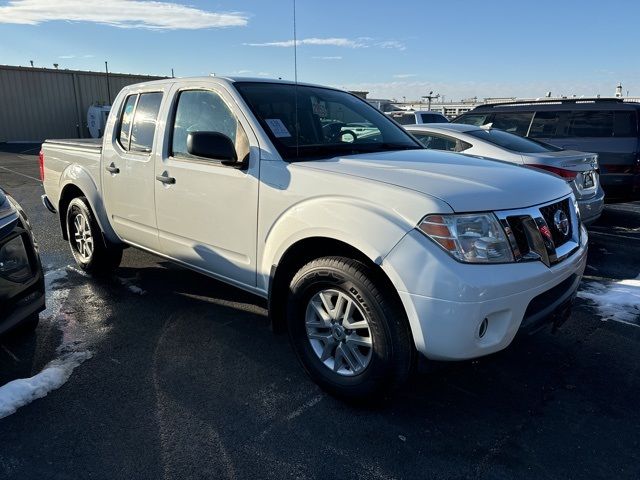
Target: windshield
[327, 123]
[512, 142]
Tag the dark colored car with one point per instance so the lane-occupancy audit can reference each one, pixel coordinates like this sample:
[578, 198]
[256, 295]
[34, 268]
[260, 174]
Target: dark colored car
[22, 293]
[608, 127]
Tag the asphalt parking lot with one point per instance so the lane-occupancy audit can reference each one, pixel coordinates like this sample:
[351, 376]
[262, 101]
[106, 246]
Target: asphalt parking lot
[179, 376]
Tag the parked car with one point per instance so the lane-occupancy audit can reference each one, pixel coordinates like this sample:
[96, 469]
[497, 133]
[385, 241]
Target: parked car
[369, 251]
[608, 127]
[21, 278]
[579, 169]
[417, 117]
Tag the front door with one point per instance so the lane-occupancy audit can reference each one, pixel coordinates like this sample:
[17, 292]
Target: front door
[128, 171]
[207, 213]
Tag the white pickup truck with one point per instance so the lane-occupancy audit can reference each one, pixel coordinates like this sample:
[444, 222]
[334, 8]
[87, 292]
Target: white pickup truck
[370, 250]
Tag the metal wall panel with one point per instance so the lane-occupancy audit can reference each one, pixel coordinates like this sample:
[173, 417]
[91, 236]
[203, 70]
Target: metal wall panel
[40, 103]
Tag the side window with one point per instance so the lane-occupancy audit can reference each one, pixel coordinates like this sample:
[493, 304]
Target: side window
[126, 120]
[545, 124]
[205, 111]
[625, 124]
[585, 123]
[517, 123]
[144, 122]
[436, 142]
[477, 120]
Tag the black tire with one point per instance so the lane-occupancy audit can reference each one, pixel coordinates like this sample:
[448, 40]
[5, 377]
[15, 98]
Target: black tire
[103, 257]
[393, 352]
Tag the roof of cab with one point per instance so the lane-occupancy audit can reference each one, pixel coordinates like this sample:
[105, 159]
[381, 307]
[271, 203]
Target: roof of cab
[222, 80]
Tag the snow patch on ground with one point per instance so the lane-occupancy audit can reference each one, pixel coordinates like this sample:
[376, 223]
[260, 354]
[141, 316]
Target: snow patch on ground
[615, 300]
[23, 391]
[133, 288]
[71, 353]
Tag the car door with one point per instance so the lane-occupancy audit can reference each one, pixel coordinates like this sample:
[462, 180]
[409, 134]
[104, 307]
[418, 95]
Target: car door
[128, 171]
[207, 212]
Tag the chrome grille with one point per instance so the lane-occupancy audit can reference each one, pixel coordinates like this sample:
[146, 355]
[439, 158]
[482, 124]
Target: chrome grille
[535, 235]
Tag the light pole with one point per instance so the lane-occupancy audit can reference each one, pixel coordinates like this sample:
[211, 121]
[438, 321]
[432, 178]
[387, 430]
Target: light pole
[430, 97]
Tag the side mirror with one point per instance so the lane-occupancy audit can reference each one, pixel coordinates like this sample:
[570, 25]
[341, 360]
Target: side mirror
[214, 145]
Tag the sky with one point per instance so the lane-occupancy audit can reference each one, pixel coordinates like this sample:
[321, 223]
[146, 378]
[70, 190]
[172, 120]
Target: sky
[456, 48]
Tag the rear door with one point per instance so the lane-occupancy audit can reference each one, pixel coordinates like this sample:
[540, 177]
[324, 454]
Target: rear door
[128, 170]
[207, 216]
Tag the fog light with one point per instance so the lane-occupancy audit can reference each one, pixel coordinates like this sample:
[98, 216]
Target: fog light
[14, 262]
[483, 327]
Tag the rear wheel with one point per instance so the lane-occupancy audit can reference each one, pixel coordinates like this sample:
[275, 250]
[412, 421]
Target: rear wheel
[351, 339]
[88, 246]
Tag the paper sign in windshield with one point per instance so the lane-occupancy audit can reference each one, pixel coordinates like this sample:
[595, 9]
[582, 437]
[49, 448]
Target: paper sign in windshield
[277, 127]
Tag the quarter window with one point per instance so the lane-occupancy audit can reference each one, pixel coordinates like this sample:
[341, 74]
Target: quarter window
[437, 142]
[126, 120]
[205, 111]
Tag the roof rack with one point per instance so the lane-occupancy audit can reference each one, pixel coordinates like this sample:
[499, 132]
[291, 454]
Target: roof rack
[553, 101]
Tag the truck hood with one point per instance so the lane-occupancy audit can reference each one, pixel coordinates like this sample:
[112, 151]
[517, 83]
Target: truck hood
[467, 184]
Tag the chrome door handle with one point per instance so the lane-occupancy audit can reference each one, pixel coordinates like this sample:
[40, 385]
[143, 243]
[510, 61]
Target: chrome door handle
[166, 179]
[112, 169]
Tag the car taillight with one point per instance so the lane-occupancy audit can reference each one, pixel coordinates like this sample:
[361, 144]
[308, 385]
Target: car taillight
[566, 174]
[41, 163]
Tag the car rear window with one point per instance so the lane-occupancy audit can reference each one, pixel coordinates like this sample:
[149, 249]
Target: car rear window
[433, 118]
[512, 142]
[517, 123]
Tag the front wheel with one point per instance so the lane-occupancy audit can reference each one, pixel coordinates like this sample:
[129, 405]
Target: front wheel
[351, 338]
[88, 247]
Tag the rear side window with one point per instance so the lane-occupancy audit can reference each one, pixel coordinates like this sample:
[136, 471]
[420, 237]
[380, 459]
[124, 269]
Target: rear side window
[517, 123]
[625, 124]
[437, 142]
[591, 124]
[126, 120]
[138, 121]
[476, 119]
[144, 122]
[545, 124]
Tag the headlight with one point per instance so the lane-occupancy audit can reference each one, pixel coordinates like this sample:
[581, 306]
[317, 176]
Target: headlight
[470, 238]
[14, 262]
[6, 208]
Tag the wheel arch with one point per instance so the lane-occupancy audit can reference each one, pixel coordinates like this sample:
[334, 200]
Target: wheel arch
[77, 182]
[308, 249]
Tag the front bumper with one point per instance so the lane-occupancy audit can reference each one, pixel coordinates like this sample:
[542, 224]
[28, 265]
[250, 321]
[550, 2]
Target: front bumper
[591, 208]
[447, 302]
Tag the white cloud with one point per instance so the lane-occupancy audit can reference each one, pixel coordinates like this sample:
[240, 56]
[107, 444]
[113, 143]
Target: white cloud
[66, 57]
[404, 75]
[154, 15]
[328, 58]
[391, 44]
[336, 42]
[264, 74]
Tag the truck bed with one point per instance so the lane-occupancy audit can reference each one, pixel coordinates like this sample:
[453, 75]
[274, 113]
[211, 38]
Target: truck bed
[84, 143]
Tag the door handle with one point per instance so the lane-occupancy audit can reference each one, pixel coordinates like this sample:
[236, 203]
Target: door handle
[112, 169]
[166, 179]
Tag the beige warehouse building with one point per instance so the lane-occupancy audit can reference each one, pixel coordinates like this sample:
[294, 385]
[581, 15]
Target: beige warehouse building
[39, 103]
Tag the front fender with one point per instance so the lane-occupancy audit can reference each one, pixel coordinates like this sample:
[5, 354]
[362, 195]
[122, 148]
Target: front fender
[372, 229]
[79, 177]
